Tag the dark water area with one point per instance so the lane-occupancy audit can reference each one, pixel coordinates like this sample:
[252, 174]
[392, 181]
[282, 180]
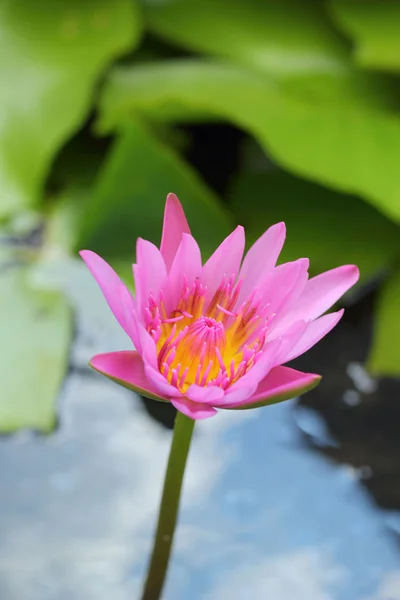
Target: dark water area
[298, 500]
[363, 414]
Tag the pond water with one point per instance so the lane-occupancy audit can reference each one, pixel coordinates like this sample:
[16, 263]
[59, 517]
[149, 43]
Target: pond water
[265, 512]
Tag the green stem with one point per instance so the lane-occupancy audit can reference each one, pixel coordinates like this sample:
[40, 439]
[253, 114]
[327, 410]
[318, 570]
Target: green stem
[169, 506]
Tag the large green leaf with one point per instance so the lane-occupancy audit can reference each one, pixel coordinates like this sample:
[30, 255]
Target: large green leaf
[35, 335]
[384, 356]
[128, 200]
[51, 54]
[284, 37]
[329, 228]
[374, 26]
[291, 41]
[345, 144]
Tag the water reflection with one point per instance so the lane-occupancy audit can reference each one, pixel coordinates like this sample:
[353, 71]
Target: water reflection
[263, 515]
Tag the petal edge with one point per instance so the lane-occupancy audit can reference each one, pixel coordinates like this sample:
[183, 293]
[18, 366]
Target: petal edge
[127, 369]
[174, 225]
[194, 410]
[281, 383]
[115, 292]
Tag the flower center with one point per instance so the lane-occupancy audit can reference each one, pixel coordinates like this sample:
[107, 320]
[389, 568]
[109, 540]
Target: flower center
[206, 345]
[197, 352]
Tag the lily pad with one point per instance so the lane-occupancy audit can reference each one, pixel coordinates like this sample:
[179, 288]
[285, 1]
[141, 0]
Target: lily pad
[36, 332]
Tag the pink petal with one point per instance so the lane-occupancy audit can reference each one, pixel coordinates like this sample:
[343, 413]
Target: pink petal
[206, 395]
[247, 384]
[281, 383]
[286, 313]
[322, 291]
[127, 369]
[295, 288]
[185, 268]
[263, 365]
[174, 225]
[238, 392]
[147, 346]
[160, 383]
[225, 261]
[273, 353]
[194, 410]
[140, 287]
[314, 332]
[150, 273]
[277, 287]
[289, 341]
[262, 257]
[281, 280]
[116, 294]
[132, 321]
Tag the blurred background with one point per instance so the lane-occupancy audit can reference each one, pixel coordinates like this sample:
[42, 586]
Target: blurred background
[252, 112]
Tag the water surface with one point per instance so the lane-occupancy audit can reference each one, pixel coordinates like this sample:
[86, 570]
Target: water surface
[264, 515]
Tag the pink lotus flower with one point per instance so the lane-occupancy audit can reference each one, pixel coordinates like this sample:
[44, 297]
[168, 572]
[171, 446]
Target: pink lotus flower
[216, 335]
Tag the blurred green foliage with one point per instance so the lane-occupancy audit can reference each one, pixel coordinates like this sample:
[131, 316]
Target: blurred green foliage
[98, 105]
[51, 55]
[138, 171]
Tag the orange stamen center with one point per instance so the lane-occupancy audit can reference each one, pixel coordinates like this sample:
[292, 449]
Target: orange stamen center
[206, 345]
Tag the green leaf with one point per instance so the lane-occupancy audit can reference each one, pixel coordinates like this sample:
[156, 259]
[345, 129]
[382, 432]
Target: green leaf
[329, 228]
[278, 36]
[384, 358]
[374, 26]
[347, 145]
[293, 42]
[128, 200]
[35, 336]
[51, 55]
